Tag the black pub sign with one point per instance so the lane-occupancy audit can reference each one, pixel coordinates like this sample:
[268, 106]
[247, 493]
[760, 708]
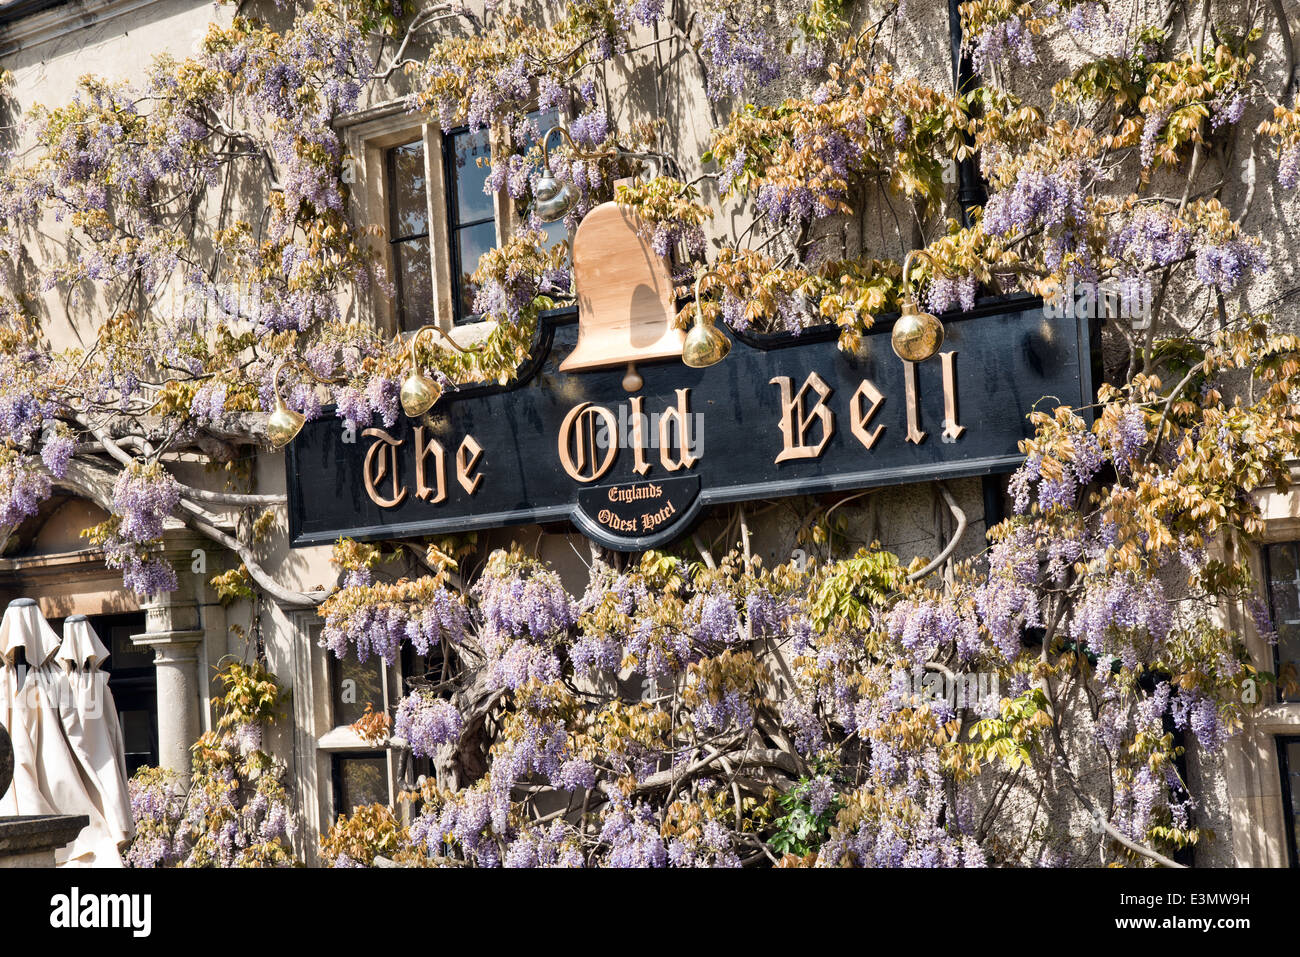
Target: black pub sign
[780, 416]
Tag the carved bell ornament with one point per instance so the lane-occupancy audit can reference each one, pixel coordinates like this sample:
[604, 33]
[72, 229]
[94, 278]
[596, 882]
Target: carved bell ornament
[916, 335]
[626, 305]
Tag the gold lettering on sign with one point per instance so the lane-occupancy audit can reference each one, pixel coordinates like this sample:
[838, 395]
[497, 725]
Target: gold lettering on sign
[681, 414]
[951, 430]
[915, 435]
[795, 423]
[381, 462]
[467, 458]
[422, 450]
[577, 442]
[860, 418]
[640, 466]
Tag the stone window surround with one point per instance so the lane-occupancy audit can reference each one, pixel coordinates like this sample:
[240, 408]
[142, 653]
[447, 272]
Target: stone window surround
[316, 738]
[40, 22]
[1251, 764]
[367, 135]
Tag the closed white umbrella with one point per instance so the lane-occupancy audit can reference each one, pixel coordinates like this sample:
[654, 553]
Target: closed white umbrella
[93, 726]
[38, 706]
[23, 627]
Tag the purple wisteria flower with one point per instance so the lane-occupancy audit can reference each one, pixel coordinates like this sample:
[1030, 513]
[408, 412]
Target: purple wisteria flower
[1008, 40]
[57, 453]
[22, 489]
[736, 54]
[142, 498]
[427, 722]
[1288, 170]
[1226, 265]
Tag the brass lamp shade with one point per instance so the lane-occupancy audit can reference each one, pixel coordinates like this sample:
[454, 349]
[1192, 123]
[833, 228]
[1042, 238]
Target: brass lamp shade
[283, 424]
[546, 187]
[419, 393]
[706, 345]
[916, 335]
[554, 199]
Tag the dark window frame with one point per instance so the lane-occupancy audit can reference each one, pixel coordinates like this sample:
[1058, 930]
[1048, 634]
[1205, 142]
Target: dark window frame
[335, 669]
[336, 776]
[451, 186]
[395, 239]
[1288, 807]
[1272, 605]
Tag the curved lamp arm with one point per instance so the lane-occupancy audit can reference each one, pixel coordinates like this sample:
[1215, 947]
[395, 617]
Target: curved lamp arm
[546, 150]
[283, 361]
[699, 311]
[928, 257]
[654, 158]
[419, 334]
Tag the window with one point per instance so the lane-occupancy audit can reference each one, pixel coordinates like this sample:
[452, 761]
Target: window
[360, 778]
[359, 771]
[353, 686]
[1288, 759]
[408, 235]
[471, 214]
[429, 189]
[1282, 569]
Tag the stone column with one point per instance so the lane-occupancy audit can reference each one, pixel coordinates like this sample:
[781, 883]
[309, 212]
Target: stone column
[174, 630]
[176, 659]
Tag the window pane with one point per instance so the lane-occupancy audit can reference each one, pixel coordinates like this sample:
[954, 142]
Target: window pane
[359, 781]
[408, 191]
[1281, 564]
[555, 232]
[354, 686]
[468, 176]
[1291, 791]
[1288, 648]
[472, 242]
[414, 283]
[137, 737]
[1284, 595]
[418, 666]
[123, 652]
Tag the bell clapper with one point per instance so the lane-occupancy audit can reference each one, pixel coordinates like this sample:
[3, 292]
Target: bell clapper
[632, 381]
